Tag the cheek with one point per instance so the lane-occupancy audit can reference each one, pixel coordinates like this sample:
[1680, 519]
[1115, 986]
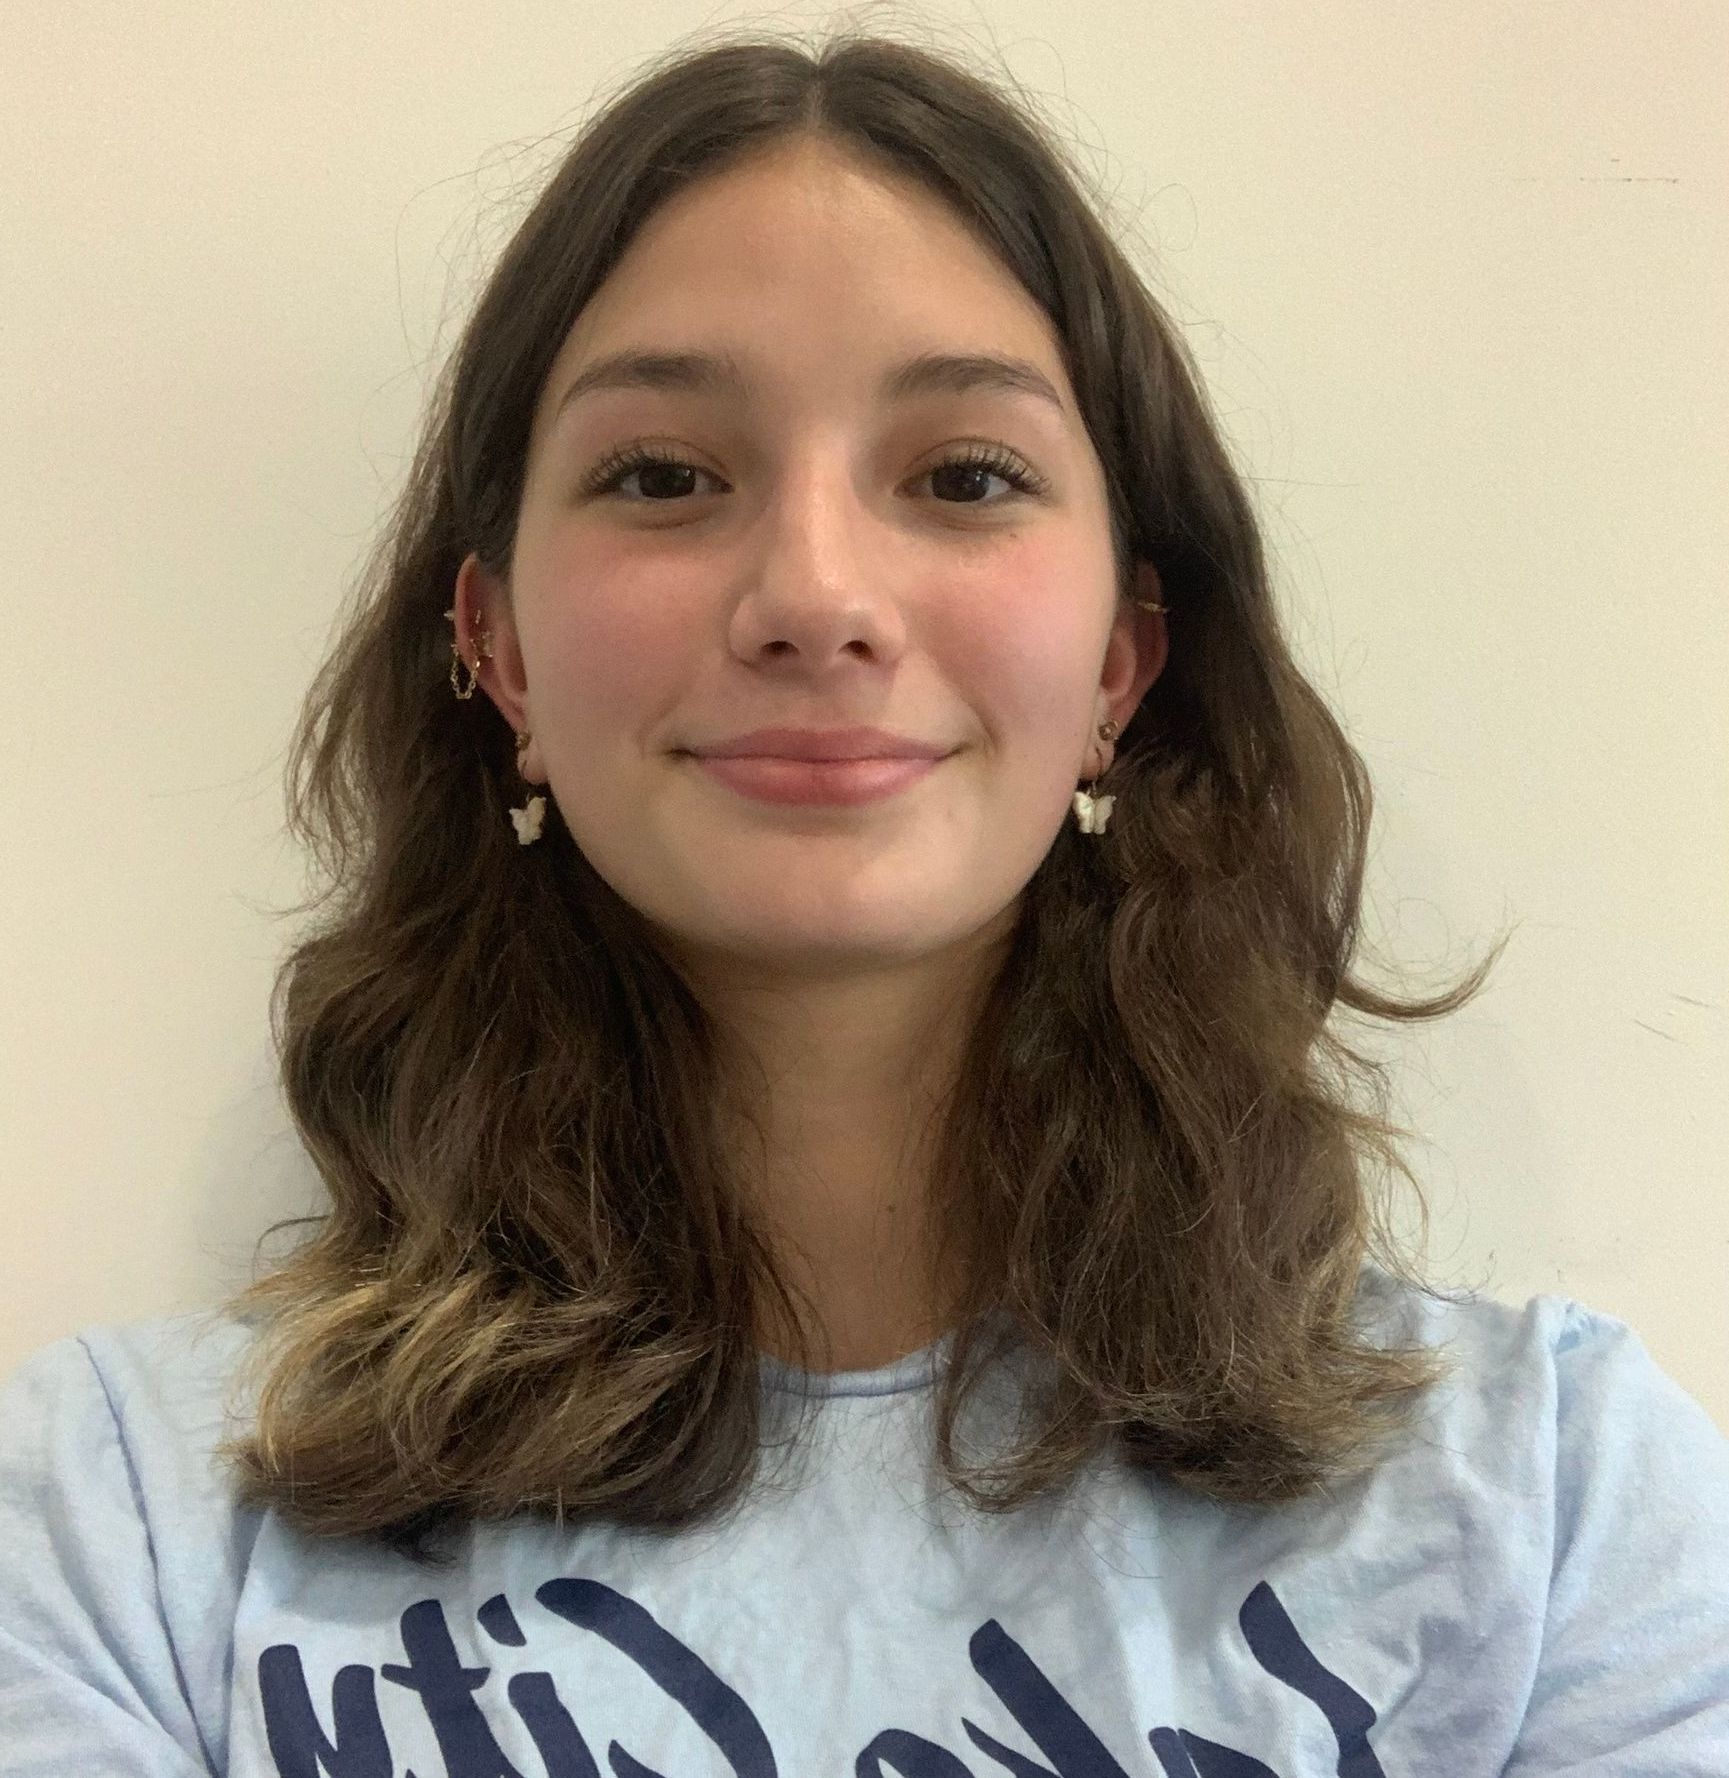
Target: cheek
[1028, 647]
[608, 649]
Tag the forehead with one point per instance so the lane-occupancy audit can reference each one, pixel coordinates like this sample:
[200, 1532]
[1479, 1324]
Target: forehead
[802, 269]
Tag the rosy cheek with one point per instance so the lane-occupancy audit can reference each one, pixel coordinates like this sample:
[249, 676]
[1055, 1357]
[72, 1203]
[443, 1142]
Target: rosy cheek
[1028, 655]
[614, 646]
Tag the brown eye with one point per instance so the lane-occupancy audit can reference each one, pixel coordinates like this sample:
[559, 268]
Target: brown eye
[972, 467]
[661, 470]
[666, 476]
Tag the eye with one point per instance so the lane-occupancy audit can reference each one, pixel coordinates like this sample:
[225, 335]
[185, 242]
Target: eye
[669, 473]
[621, 464]
[978, 460]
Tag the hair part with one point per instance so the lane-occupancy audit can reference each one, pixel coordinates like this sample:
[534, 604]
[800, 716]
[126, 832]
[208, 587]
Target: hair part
[536, 1286]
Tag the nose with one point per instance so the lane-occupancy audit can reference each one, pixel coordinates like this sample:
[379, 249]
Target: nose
[822, 594]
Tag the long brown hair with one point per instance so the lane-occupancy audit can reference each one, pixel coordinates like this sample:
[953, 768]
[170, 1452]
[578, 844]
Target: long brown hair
[536, 1284]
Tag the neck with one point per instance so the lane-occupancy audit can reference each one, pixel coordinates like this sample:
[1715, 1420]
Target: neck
[849, 1080]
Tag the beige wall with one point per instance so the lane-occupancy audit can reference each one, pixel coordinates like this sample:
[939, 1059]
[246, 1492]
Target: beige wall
[1454, 272]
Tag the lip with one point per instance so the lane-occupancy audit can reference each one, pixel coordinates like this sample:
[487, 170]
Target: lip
[837, 782]
[821, 744]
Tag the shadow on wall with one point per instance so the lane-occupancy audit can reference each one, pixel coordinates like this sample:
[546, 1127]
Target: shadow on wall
[251, 1170]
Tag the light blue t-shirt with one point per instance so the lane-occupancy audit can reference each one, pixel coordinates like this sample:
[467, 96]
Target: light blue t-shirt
[1537, 1582]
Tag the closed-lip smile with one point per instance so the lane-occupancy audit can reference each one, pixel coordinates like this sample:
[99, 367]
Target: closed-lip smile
[820, 744]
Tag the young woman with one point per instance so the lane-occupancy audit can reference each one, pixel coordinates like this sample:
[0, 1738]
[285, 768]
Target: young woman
[851, 1246]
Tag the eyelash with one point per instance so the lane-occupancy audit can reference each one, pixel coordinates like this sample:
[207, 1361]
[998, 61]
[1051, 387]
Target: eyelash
[606, 475]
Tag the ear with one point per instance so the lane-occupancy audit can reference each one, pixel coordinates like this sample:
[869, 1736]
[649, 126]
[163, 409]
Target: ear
[483, 608]
[1135, 655]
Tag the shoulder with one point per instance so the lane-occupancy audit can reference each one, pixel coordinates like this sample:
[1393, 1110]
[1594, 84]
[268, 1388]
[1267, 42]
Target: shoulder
[1555, 1415]
[122, 1420]
[162, 1381]
[1549, 1359]
[125, 1548]
[1580, 1476]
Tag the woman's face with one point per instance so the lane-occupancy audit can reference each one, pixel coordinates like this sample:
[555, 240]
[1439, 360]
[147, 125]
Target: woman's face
[807, 560]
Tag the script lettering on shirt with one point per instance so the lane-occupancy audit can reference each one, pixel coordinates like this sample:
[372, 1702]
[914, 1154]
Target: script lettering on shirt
[356, 1744]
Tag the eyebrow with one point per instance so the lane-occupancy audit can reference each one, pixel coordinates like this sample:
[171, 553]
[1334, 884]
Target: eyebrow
[719, 373]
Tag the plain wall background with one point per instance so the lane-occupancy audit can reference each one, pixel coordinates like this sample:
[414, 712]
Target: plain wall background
[1455, 276]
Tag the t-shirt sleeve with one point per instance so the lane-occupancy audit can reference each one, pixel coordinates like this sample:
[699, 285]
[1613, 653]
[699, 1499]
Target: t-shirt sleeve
[1633, 1679]
[89, 1681]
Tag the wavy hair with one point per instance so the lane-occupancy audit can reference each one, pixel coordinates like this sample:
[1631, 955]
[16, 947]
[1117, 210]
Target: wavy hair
[536, 1284]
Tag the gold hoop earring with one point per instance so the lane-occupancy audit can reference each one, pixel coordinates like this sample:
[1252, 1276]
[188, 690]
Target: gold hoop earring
[482, 651]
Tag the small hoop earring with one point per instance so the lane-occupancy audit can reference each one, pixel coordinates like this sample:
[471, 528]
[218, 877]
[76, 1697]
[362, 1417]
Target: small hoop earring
[482, 651]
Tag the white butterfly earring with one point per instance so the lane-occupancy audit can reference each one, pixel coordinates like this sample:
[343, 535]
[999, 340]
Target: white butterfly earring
[1092, 811]
[527, 819]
